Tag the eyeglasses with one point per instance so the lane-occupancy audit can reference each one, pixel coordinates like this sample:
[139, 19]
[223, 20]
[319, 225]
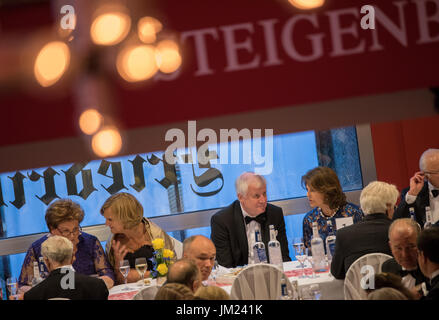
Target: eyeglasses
[429, 173]
[67, 233]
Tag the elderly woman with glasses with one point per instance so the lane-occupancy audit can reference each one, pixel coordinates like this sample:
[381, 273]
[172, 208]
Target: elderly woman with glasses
[63, 218]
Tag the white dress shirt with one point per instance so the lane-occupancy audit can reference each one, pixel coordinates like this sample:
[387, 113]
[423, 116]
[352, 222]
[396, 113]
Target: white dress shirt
[434, 202]
[250, 230]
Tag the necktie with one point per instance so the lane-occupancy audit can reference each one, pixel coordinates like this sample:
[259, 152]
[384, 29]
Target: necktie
[260, 218]
[435, 193]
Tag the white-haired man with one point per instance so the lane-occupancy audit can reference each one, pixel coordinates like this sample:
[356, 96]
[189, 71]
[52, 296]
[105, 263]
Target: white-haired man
[423, 190]
[377, 201]
[63, 281]
[233, 228]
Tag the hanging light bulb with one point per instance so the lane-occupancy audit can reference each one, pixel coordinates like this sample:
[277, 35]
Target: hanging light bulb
[147, 29]
[307, 4]
[167, 56]
[110, 27]
[90, 121]
[51, 63]
[107, 142]
[137, 63]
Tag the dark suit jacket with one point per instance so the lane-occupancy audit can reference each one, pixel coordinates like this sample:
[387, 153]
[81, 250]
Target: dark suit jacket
[354, 241]
[86, 288]
[433, 293]
[230, 238]
[391, 266]
[422, 201]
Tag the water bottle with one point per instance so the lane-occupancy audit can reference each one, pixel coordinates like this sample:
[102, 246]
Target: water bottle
[284, 294]
[428, 218]
[260, 256]
[37, 278]
[274, 252]
[412, 213]
[318, 250]
[330, 242]
[43, 273]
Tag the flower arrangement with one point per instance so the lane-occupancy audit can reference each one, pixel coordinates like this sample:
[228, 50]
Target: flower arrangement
[162, 258]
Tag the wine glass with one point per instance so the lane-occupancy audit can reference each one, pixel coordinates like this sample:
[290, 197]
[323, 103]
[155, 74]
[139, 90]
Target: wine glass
[300, 252]
[11, 282]
[141, 268]
[124, 268]
[312, 263]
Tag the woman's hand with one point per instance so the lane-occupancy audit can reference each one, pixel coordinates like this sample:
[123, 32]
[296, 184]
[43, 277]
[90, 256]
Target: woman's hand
[120, 251]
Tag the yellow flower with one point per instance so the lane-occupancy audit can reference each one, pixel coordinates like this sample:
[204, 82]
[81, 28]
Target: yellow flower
[168, 253]
[162, 269]
[158, 243]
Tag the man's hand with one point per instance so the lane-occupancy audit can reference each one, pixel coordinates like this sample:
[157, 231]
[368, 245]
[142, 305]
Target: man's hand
[416, 183]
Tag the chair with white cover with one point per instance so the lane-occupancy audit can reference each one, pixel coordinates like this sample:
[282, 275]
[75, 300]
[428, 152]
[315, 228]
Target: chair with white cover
[259, 282]
[147, 293]
[178, 247]
[356, 276]
[58, 299]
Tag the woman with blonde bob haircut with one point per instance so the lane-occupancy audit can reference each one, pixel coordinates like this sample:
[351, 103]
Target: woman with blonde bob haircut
[132, 234]
[379, 197]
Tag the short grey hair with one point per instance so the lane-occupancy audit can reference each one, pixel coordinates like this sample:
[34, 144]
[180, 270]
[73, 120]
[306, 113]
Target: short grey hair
[407, 222]
[243, 181]
[428, 155]
[57, 249]
[377, 196]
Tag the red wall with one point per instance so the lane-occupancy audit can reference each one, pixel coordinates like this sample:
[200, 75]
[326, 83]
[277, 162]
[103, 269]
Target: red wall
[398, 146]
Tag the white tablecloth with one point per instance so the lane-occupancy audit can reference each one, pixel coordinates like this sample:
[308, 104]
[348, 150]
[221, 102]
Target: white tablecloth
[331, 288]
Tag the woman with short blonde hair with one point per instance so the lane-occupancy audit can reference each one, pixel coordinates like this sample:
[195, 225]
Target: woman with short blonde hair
[132, 234]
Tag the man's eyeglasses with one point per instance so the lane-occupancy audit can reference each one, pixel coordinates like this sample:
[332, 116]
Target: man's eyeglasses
[429, 173]
[67, 233]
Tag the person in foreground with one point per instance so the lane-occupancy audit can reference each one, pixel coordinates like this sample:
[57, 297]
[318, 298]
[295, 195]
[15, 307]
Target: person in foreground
[174, 291]
[132, 234]
[63, 281]
[386, 293]
[202, 251]
[390, 280]
[423, 190]
[369, 236]
[212, 293]
[428, 259]
[328, 201]
[186, 272]
[63, 218]
[403, 234]
[233, 228]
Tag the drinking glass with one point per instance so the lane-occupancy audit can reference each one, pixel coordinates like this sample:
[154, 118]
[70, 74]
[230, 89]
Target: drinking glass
[311, 262]
[11, 282]
[300, 252]
[141, 268]
[315, 292]
[124, 268]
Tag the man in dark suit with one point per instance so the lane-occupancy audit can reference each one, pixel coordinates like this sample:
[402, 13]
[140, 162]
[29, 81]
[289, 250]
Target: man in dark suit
[403, 234]
[233, 228]
[370, 235]
[428, 259]
[63, 281]
[423, 190]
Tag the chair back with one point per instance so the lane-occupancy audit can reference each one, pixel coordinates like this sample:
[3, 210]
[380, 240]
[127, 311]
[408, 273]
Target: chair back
[359, 272]
[58, 299]
[259, 282]
[147, 293]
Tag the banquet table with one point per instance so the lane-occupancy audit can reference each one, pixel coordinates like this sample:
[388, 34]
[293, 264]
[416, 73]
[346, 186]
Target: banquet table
[331, 288]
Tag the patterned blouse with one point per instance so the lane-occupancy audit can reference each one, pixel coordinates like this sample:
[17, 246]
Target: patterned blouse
[316, 214]
[90, 259]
